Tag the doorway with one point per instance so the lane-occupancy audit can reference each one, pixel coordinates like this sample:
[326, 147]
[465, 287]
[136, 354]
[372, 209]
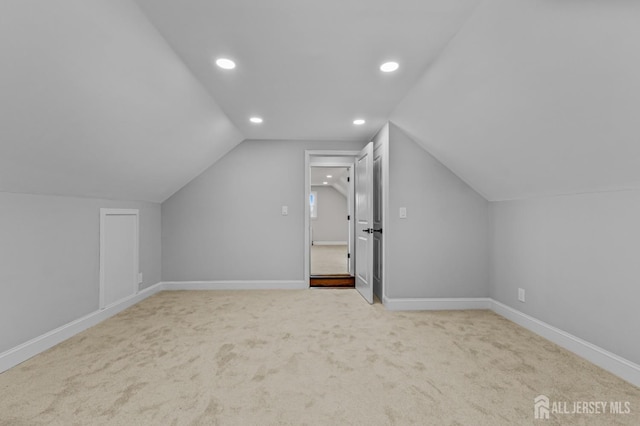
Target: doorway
[330, 202]
[369, 179]
[334, 262]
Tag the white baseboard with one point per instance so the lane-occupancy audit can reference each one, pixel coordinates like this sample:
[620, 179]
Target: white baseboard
[330, 243]
[436, 304]
[235, 285]
[23, 352]
[609, 361]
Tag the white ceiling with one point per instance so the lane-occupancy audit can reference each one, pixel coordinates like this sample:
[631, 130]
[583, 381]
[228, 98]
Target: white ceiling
[319, 175]
[535, 98]
[93, 102]
[308, 68]
[519, 98]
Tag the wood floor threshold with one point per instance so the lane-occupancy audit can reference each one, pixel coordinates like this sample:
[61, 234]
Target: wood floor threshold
[332, 281]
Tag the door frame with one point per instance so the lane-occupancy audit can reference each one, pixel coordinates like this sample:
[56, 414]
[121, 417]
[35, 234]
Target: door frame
[323, 158]
[136, 250]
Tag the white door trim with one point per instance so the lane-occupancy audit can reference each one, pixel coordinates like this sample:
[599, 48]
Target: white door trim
[103, 217]
[314, 158]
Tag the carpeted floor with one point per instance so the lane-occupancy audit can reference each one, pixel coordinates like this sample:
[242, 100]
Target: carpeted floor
[329, 260]
[302, 358]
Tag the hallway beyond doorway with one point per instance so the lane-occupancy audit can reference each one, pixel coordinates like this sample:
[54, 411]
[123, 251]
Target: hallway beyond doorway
[329, 259]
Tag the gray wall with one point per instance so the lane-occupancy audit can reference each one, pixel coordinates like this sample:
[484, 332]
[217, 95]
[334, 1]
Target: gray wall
[441, 249]
[49, 260]
[226, 224]
[331, 223]
[578, 259]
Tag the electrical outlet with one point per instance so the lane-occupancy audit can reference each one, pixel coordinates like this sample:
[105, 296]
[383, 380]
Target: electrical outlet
[521, 294]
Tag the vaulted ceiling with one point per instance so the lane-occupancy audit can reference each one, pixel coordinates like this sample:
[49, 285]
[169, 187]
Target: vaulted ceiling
[93, 102]
[121, 99]
[308, 68]
[535, 98]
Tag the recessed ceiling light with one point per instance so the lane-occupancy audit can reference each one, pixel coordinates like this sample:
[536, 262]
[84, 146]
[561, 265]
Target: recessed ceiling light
[325, 183]
[329, 176]
[359, 122]
[389, 67]
[225, 63]
[256, 120]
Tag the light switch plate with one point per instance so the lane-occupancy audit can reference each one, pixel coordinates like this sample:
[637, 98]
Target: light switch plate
[285, 210]
[403, 212]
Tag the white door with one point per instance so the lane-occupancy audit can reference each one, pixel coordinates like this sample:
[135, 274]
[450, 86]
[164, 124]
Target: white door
[364, 222]
[118, 255]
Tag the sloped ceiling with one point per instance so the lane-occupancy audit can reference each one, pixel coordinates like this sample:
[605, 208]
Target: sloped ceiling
[319, 175]
[338, 179]
[93, 102]
[309, 68]
[535, 98]
[520, 98]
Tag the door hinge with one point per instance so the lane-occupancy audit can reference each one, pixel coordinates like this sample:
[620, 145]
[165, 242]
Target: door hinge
[348, 217]
[348, 255]
[348, 179]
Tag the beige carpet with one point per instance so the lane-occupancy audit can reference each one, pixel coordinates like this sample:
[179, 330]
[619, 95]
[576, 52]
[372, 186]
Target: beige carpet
[302, 358]
[329, 260]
